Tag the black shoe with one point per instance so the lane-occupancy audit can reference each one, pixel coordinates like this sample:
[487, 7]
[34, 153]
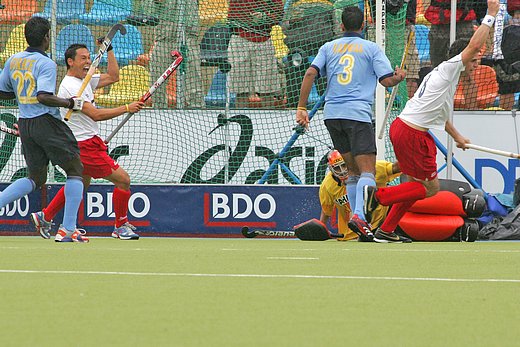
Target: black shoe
[361, 228]
[369, 201]
[382, 237]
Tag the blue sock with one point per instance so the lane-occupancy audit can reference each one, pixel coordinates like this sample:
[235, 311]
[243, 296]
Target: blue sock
[351, 190]
[16, 190]
[73, 197]
[366, 179]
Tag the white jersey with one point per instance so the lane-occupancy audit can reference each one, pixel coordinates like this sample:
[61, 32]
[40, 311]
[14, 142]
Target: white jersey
[432, 103]
[83, 127]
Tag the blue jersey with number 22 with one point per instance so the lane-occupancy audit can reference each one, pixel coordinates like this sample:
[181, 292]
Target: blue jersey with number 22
[352, 66]
[27, 74]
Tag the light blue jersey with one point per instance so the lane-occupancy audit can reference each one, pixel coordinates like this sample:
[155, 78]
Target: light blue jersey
[352, 66]
[28, 74]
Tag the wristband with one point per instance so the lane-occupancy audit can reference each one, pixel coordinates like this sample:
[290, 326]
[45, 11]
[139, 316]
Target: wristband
[71, 103]
[127, 109]
[301, 108]
[488, 20]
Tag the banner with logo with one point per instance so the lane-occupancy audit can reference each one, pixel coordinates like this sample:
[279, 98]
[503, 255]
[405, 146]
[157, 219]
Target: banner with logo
[179, 210]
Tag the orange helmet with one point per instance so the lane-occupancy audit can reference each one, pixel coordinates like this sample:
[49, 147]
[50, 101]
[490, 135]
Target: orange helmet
[337, 165]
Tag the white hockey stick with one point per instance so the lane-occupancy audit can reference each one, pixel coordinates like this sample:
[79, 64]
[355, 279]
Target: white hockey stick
[394, 88]
[177, 61]
[493, 151]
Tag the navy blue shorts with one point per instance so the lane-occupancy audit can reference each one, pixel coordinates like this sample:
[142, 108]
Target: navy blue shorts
[352, 136]
[46, 138]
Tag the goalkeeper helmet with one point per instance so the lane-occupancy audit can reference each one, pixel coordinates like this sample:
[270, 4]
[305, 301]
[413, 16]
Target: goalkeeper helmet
[337, 165]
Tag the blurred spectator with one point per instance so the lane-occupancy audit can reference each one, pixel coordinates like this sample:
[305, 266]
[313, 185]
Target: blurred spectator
[412, 63]
[438, 14]
[508, 78]
[178, 29]
[254, 69]
[308, 24]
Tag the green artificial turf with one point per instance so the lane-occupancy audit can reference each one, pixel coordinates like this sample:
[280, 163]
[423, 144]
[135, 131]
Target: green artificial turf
[258, 292]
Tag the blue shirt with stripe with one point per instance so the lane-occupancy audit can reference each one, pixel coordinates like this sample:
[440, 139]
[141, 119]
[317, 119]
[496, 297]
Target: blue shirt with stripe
[352, 66]
[28, 74]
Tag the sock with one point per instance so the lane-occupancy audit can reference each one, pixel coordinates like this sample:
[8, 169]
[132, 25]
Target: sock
[394, 216]
[408, 191]
[120, 201]
[16, 190]
[351, 185]
[366, 179]
[55, 206]
[73, 196]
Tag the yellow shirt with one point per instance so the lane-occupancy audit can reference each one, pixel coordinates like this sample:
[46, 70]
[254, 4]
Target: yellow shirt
[334, 195]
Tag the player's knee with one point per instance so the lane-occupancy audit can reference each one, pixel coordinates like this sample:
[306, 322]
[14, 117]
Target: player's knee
[124, 183]
[352, 180]
[432, 188]
[73, 168]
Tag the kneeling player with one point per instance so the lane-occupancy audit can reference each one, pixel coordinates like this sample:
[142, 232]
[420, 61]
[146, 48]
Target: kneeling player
[333, 194]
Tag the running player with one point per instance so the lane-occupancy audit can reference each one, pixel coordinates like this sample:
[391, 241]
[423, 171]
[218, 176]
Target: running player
[414, 147]
[93, 151]
[353, 66]
[30, 77]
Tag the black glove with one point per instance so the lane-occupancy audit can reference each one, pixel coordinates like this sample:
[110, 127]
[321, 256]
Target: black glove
[100, 41]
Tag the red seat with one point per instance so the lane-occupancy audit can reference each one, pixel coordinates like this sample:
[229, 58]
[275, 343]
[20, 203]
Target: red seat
[17, 11]
[487, 88]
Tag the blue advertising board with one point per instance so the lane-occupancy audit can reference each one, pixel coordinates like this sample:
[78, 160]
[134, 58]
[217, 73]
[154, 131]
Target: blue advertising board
[179, 210]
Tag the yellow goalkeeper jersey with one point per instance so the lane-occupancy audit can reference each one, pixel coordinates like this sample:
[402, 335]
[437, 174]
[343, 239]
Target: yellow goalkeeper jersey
[333, 194]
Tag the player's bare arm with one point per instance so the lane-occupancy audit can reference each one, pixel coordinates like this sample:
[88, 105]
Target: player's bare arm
[101, 114]
[399, 76]
[112, 74]
[7, 95]
[302, 116]
[481, 34]
[459, 139]
[52, 100]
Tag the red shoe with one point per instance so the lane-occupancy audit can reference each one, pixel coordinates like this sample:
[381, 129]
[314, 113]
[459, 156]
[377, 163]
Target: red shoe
[361, 228]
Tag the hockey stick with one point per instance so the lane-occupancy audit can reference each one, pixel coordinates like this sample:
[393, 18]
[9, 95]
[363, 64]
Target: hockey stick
[177, 61]
[7, 130]
[395, 88]
[493, 151]
[104, 47]
[270, 233]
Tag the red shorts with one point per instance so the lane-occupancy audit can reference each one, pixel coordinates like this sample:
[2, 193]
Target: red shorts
[415, 150]
[96, 161]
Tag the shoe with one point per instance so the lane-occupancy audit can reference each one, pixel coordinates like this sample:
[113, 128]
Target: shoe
[382, 237]
[80, 236]
[77, 236]
[41, 225]
[369, 201]
[361, 228]
[125, 232]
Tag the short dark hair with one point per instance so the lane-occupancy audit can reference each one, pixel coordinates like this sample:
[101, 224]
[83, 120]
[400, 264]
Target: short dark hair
[71, 52]
[352, 18]
[457, 47]
[35, 30]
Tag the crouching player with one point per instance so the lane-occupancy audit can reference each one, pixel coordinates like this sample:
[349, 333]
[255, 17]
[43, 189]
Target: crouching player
[93, 151]
[333, 194]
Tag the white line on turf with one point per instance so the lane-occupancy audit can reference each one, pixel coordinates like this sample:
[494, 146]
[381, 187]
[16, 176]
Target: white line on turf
[377, 249]
[291, 258]
[326, 277]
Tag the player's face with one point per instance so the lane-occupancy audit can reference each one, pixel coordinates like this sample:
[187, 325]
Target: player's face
[471, 66]
[81, 63]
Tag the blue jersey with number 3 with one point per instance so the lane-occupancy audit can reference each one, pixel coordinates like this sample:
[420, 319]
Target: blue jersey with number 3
[352, 66]
[27, 74]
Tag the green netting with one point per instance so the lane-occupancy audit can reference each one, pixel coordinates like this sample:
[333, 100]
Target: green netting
[206, 124]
